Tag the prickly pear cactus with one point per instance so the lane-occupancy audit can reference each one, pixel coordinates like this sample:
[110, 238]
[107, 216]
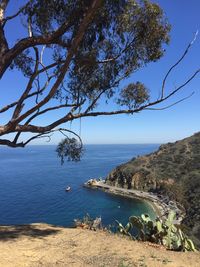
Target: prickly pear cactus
[124, 230]
[158, 231]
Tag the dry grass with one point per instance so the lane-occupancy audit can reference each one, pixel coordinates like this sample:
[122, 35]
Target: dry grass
[45, 245]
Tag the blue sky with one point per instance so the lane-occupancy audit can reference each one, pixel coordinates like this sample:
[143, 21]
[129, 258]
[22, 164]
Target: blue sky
[172, 124]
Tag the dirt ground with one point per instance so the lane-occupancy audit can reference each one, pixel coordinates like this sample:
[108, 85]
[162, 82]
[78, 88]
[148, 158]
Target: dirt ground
[45, 245]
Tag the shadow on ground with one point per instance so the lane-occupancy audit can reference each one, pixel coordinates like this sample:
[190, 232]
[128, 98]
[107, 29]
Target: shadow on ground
[7, 233]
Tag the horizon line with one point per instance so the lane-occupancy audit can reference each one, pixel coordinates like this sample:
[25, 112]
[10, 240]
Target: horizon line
[54, 144]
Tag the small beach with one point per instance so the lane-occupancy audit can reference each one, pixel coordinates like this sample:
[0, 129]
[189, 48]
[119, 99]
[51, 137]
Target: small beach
[160, 205]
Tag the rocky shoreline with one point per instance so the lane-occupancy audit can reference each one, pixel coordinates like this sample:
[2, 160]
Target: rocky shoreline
[161, 204]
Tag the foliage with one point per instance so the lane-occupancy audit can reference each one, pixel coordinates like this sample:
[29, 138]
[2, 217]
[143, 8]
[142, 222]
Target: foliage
[76, 53]
[69, 148]
[73, 55]
[160, 232]
[173, 171]
[133, 95]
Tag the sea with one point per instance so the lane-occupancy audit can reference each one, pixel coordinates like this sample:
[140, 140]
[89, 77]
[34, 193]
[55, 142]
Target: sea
[33, 182]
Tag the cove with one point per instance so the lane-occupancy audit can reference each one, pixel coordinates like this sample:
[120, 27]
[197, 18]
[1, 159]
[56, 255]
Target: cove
[32, 185]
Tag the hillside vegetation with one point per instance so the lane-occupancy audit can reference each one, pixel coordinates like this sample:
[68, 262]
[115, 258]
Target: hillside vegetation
[174, 171]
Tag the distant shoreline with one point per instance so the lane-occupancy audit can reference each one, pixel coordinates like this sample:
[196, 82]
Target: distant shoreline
[160, 207]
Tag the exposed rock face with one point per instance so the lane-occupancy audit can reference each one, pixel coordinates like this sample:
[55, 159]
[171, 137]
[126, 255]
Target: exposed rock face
[139, 180]
[173, 170]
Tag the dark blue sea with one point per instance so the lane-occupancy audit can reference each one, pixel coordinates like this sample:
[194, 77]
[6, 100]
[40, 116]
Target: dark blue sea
[33, 182]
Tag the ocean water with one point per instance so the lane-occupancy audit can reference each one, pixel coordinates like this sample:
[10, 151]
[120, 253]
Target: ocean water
[33, 182]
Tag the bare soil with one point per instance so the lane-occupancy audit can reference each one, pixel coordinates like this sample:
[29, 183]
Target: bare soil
[45, 245]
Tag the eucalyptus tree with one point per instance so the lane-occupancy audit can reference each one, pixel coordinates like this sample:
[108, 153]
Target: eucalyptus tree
[73, 54]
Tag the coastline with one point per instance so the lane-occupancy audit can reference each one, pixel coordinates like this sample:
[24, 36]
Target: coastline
[158, 203]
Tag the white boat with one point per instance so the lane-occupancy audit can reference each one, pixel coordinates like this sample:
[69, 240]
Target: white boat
[68, 188]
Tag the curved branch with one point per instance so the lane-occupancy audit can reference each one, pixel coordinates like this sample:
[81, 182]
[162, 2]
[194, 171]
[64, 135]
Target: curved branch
[173, 104]
[181, 86]
[70, 131]
[177, 63]
[41, 135]
[46, 134]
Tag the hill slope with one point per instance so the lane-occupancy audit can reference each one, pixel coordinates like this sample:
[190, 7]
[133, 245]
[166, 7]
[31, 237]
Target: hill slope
[49, 246]
[173, 170]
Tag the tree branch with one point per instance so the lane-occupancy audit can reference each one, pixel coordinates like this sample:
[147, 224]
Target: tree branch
[20, 122]
[4, 109]
[17, 13]
[9, 143]
[103, 91]
[182, 85]
[177, 63]
[46, 134]
[3, 41]
[28, 88]
[25, 43]
[75, 43]
[41, 135]
[173, 104]
[3, 5]
[70, 116]
[50, 109]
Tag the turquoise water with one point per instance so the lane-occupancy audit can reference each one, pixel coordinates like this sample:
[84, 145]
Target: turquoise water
[32, 185]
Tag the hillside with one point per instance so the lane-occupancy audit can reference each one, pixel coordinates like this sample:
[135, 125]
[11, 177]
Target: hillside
[48, 246]
[173, 170]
